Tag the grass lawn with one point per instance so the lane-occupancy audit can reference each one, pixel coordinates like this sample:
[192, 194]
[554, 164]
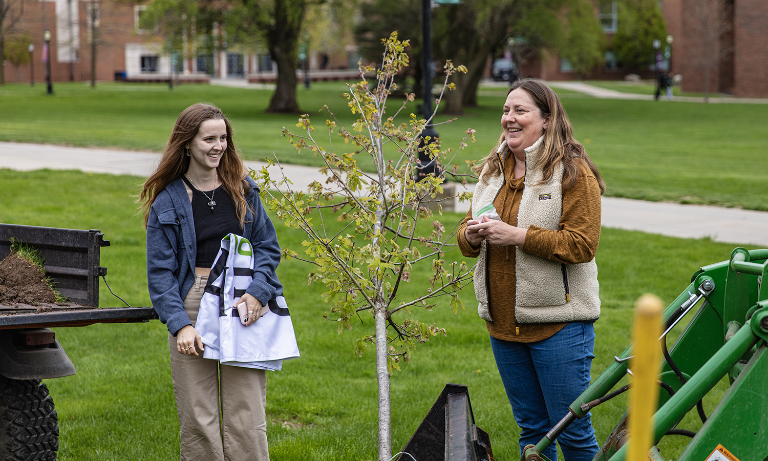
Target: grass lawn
[644, 87]
[322, 406]
[683, 152]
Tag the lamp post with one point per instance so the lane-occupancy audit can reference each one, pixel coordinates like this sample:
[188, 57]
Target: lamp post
[668, 53]
[31, 49]
[428, 165]
[657, 52]
[47, 59]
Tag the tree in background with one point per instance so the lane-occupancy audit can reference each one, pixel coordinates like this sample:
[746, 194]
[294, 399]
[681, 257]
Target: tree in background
[387, 226]
[584, 41]
[475, 30]
[17, 51]
[381, 17]
[11, 12]
[640, 23]
[178, 23]
[710, 20]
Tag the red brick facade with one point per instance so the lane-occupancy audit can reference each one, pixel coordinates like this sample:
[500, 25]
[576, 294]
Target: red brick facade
[738, 58]
[117, 24]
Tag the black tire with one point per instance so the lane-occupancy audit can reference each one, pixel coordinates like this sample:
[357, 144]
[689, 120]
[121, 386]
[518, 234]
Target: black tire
[29, 425]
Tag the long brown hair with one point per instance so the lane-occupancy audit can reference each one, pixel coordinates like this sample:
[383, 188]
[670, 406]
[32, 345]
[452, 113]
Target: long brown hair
[558, 145]
[175, 163]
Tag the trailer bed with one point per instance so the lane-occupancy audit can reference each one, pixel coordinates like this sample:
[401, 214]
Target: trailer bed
[69, 315]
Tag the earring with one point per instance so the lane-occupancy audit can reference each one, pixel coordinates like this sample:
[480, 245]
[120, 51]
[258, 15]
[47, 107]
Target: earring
[186, 150]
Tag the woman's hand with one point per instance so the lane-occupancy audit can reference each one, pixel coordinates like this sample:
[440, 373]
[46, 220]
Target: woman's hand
[255, 309]
[186, 339]
[470, 232]
[495, 232]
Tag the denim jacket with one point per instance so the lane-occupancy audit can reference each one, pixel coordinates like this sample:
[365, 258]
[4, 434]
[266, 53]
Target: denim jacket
[172, 247]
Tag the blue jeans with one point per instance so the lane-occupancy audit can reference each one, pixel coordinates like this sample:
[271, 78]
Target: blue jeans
[542, 379]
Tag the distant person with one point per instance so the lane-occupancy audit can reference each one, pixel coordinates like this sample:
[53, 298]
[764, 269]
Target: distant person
[663, 84]
[199, 194]
[668, 84]
[534, 225]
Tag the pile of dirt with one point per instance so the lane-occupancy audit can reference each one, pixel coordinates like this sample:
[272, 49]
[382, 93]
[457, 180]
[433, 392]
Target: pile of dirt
[22, 282]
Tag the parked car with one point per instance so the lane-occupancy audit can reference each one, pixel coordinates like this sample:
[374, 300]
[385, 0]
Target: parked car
[504, 70]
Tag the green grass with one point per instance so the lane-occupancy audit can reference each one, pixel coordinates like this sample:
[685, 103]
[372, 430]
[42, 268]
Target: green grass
[120, 404]
[644, 87]
[681, 152]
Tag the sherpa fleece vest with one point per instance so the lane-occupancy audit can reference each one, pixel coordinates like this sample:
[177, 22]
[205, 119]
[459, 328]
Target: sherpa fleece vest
[546, 291]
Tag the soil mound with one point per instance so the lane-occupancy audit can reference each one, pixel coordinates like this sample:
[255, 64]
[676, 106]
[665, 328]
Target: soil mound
[22, 282]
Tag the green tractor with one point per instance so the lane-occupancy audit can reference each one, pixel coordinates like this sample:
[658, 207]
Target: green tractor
[726, 336]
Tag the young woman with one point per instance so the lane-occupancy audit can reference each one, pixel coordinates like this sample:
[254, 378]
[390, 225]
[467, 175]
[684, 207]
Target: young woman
[536, 279]
[199, 194]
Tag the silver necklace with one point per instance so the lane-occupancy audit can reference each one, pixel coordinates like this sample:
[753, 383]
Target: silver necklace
[211, 202]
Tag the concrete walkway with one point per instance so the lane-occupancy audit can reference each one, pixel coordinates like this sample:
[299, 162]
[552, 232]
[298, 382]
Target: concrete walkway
[729, 225]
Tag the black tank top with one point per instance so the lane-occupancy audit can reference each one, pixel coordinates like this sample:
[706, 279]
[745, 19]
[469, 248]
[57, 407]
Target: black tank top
[212, 225]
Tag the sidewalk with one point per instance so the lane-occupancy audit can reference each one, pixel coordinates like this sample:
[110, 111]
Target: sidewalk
[728, 225]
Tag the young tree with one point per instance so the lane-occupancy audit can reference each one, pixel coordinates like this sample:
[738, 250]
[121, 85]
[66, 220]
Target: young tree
[383, 240]
[584, 42]
[640, 23]
[709, 20]
[17, 51]
[11, 12]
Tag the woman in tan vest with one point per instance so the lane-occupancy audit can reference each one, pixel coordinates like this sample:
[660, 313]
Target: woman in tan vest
[534, 226]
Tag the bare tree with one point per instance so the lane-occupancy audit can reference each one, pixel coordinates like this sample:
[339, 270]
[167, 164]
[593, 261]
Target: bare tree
[710, 21]
[11, 12]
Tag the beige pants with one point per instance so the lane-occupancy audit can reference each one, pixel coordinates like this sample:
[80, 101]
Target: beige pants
[238, 431]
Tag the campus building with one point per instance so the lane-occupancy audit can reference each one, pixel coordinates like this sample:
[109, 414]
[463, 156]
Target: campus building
[730, 47]
[725, 39]
[127, 52]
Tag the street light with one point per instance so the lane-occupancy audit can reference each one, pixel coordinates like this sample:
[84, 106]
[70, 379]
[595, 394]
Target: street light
[657, 47]
[668, 52]
[47, 59]
[428, 165]
[31, 49]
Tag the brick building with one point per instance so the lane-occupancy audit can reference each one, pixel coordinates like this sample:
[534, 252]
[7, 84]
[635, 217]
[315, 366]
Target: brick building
[728, 37]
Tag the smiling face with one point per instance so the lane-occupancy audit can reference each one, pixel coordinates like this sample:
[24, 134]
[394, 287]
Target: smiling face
[522, 122]
[208, 145]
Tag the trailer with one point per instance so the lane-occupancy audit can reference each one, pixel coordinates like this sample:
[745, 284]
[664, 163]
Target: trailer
[29, 350]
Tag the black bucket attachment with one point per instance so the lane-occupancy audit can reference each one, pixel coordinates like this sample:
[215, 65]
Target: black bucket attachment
[448, 432]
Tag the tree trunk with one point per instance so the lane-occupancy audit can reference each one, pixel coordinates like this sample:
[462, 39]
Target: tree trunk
[475, 69]
[453, 99]
[382, 376]
[284, 98]
[2, 48]
[282, 39]
[94, 43]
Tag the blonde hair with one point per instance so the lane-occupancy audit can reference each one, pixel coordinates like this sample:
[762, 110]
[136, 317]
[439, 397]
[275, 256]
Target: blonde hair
[558, 144]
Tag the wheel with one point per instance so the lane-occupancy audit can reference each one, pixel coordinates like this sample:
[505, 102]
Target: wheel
[29, 426]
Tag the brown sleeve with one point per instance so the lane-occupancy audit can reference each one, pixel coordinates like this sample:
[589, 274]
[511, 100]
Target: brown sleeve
[576, 240]
[466, 248]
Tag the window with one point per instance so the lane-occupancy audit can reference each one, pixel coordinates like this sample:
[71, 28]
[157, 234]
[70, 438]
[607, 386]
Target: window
[204, 63]
[609, 61]
[235, 64]
[149, 63]
[265, 63]
[609, 16]
[565, 65]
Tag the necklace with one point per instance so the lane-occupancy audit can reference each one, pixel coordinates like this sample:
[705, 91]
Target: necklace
[211, 202]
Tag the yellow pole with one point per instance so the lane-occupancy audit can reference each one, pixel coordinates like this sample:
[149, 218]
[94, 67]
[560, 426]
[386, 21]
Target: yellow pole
[644, 394]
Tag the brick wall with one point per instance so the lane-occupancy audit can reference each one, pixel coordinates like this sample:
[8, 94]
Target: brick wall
[751, 48]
